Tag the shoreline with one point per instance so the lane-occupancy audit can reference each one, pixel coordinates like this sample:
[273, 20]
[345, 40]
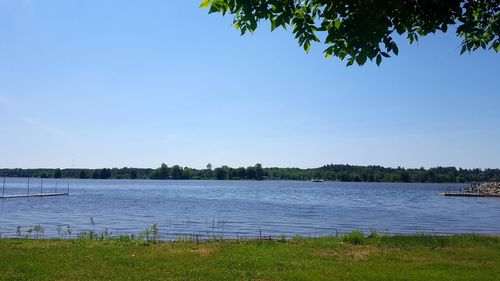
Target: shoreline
[236, 180]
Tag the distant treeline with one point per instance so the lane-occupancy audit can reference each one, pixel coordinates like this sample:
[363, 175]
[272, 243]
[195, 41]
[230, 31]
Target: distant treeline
[345, 173]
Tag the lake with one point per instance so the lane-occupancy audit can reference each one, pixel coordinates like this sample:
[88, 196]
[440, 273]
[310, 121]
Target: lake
[245, 208]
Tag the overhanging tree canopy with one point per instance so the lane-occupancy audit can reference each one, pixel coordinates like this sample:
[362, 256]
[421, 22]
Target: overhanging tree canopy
[358, 30]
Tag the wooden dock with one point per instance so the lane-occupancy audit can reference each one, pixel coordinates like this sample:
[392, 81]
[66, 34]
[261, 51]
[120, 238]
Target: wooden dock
[468, 194]
[29, 194]
[34, 195]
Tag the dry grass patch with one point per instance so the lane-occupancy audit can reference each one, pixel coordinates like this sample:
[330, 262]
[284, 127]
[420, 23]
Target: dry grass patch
[204, 252]
[355, 253]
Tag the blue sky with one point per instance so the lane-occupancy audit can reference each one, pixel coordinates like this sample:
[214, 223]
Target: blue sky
[138, 83]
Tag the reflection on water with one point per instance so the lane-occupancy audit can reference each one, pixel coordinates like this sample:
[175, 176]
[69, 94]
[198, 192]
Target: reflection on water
[245, 208]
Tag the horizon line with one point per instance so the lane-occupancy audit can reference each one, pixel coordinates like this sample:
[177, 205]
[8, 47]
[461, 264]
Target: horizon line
[279, 167]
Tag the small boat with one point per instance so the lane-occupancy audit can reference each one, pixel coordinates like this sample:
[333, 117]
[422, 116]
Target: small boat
[317, 180]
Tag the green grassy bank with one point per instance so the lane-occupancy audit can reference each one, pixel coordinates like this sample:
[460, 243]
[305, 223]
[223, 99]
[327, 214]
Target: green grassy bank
[348, 258]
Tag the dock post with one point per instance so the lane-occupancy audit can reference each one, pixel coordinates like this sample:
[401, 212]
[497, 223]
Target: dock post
[3, 188]
[56, 188]
[28, 186]
[68, 188]
[41, 186]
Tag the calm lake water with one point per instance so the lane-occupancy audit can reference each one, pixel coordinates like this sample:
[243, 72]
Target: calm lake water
[246, 208]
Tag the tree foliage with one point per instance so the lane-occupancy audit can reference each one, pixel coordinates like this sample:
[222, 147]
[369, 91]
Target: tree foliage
[57, 173]
[337, 172]
[83, 174]
[104, 173]
[361, 30]
[176, 172]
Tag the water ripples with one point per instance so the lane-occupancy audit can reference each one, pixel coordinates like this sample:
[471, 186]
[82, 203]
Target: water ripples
[247, 208]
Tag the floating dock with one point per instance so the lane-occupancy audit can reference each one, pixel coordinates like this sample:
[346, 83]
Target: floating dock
[468, 194]
[29, 194]
[34, 195]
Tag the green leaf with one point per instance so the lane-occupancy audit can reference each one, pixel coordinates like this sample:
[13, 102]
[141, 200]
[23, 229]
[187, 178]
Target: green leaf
[395, 49]
[361, 59]
[337, 23]
[379, 59]
[444, 27]
[273, 25]
[307, 46]
[410, 38]
[205, 3]
[464, 48]
[400, 29]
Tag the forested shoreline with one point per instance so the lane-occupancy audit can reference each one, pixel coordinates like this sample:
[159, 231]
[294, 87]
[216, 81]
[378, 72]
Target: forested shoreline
[331, 172]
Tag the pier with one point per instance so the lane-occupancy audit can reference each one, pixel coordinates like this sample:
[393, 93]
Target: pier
[468, 194]
[34, 195]
[476, 189]
[53, 193]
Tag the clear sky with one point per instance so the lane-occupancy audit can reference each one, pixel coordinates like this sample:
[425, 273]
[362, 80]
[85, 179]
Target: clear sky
[137, 83]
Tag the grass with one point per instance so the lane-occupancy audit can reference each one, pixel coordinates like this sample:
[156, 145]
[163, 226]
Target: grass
[351, 257]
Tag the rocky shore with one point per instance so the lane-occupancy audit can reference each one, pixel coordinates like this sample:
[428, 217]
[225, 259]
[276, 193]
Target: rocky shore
[486, 188]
